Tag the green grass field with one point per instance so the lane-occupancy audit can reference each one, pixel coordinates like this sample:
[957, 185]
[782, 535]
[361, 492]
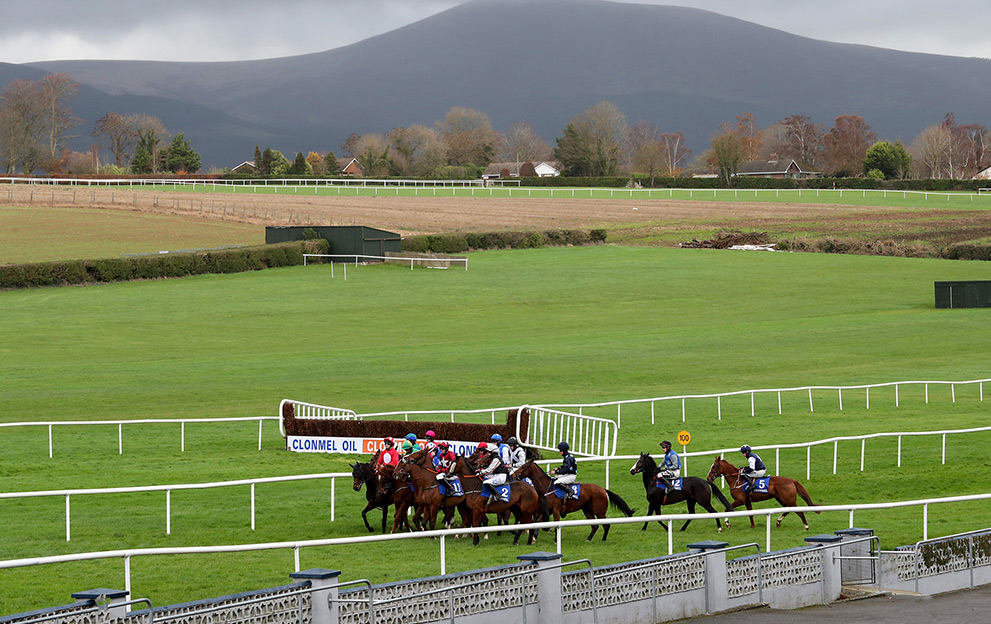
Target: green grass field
[31, 234]
[535, 326]
[357, 188]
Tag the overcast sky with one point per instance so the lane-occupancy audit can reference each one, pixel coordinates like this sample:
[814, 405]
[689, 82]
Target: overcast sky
[205, 30]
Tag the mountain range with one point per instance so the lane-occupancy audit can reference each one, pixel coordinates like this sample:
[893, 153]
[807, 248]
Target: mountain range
[539, 61]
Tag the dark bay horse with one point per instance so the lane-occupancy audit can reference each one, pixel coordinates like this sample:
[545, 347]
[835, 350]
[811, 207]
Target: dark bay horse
[782, 489]
[365, 474]
[594, 499]
[418, 470]
[524, 502]
[693, 490]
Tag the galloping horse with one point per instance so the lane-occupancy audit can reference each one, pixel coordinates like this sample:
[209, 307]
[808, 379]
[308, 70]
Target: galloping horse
[693, 490]
[593, 500]
[524, 502]
[366, 474]
[782, 489]
[426, 488]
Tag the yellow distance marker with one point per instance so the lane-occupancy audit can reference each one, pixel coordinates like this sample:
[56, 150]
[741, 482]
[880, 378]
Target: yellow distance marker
[684, 438]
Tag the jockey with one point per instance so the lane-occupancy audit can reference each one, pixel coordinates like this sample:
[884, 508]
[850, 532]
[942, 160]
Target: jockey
[430, 445]
[670, 466]
[445, 460]
[567, 472]
[491, 470]
[754, 469]
[409, 444]
[388, 456]
[517, 455]
[505, 453]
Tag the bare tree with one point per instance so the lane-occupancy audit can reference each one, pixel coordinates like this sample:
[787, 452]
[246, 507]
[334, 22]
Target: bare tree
[522, 144]
[727, 152]
[646, 149]
[750, 136]
[846, 144]
[55, 91]
[119, 134]
[931, 149]
[416, 150]
[676, 152]
[469, 137]
[20, 125]
[801, 139]
[372, 151]
[151, 135]
[594, 142]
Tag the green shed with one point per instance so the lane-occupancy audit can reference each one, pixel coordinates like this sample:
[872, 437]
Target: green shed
[346, 240]
[972, 294]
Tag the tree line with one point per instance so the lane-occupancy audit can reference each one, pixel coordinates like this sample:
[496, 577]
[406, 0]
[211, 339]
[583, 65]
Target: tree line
[37, 122]
[36, 125]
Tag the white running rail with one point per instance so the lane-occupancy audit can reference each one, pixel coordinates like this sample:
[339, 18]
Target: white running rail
[311, 411]
[753, 393]
[586, 435]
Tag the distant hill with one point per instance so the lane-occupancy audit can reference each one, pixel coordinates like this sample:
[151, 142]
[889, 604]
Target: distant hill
[542, 61]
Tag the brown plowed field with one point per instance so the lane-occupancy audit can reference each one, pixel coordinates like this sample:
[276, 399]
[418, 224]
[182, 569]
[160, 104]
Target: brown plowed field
[633, 220]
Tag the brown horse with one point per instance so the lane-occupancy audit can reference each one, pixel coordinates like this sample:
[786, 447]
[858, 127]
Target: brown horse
[593, 501]
[402, 497]
[417, 468]
[524, 502]
[782, 489]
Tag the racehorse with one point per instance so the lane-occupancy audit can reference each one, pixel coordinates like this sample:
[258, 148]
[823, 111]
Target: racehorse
[693, 490]
[524, 502]
[402, 497]
[593, 499]
[415, 468]
[365, 474]
[782, 489]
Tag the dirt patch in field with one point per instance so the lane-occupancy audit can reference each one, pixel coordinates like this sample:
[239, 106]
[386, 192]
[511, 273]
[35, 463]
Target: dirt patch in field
[642, 219]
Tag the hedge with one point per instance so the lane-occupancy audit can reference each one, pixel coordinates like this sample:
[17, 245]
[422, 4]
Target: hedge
[457, 242]
[64, 273]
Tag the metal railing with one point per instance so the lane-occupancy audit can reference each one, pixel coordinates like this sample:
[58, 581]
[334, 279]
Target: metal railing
[120, 427]
[168, 489]
[719, 396]
[443, 534]
[391, 258]
[587, 435]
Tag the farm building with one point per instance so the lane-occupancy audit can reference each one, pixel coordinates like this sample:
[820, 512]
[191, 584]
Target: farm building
[349, 167]
[247, 166]
[544, 169]
[774, 168]
[344, 239]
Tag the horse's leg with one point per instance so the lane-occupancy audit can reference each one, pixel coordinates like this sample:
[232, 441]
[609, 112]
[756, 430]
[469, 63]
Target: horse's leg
[691, 509]
[364, 516]
[750, 507]
[385, 515]
[707, 505]
[802, 516]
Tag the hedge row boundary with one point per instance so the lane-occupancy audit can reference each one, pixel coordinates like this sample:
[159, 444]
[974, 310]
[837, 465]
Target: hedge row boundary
[458, 242]
[880, 247]
[71, 272]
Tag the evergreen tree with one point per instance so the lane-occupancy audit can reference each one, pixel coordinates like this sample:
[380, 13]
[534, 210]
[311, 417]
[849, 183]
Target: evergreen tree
[331, 165]
[258, 158]
[181, 156]
[265, 164]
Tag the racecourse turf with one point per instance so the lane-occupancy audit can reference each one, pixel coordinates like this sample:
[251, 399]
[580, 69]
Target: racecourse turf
[533, 326]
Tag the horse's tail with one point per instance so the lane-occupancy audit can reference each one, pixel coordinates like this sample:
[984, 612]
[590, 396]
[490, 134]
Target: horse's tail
[618, 501]
[545, 511]
[805, 495]
[719, 494]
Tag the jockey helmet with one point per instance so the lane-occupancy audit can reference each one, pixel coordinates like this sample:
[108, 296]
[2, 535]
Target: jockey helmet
[443, 444]
[745, 448]
[496, 437]
[563, 446]
[430, 434]
[512, 441]
[666, 444]
[483, 447]
[411, 437]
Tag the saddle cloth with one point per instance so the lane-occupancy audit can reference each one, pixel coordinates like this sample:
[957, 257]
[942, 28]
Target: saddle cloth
[501, 492]
[675, 484]
[572, 490]
[454, 489]
[760, 486]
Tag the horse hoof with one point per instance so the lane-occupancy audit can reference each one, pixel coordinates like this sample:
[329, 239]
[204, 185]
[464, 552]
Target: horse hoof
[806, 527]
[719, 530]
[778, 524]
